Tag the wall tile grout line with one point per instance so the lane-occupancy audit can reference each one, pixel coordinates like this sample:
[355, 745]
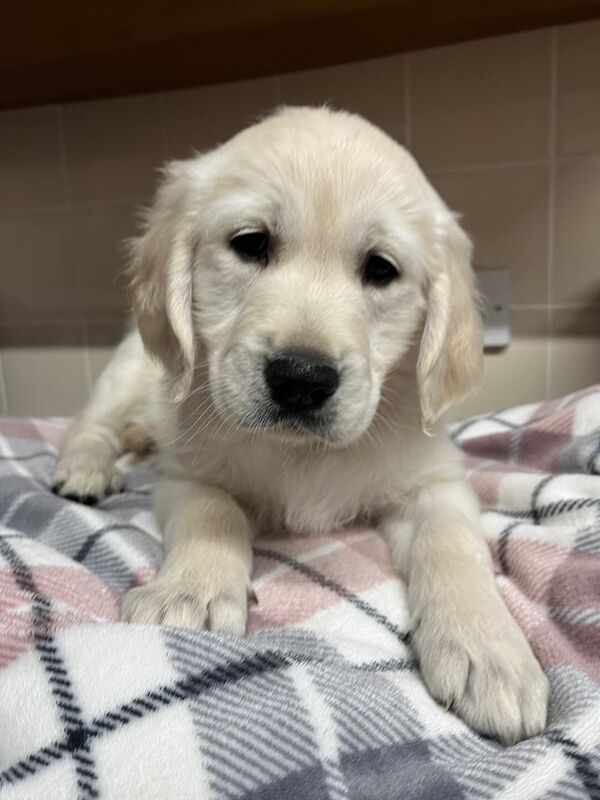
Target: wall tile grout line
[63, 156]
[278, 92]
[117, 319]
[486, 165]
[164, 130]
[552, 133]
[3, 392]
[139, 200]
[85, 355]
[87, 359]
[90, 319]
[86, 206]
[407, 103]
[553, 306]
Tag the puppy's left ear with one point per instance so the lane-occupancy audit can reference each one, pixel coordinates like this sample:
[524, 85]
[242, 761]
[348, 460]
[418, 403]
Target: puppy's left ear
[451, 353]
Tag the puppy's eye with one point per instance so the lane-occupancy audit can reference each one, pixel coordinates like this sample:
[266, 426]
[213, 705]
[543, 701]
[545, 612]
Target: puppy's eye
[378, 271]
[252, 246]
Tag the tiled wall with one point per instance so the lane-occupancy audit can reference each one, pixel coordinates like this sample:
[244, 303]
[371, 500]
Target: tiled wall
[508, 129]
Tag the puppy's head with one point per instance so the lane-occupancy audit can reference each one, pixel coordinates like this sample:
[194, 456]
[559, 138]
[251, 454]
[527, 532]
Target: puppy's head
[300, 261]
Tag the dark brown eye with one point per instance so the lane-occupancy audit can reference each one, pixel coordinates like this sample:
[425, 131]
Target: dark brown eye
[378, 271]
[252, 246]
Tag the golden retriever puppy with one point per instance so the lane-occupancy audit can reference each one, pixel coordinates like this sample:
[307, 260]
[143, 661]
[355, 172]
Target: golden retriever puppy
[305, 314]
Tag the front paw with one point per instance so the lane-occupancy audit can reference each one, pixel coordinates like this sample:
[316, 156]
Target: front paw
[85, 479]
[481, 667]
[187, 602]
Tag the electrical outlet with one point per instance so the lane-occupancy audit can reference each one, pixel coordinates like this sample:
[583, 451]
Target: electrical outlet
[494, 286]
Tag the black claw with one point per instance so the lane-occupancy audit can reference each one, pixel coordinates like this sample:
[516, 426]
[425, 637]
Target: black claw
[86, 499]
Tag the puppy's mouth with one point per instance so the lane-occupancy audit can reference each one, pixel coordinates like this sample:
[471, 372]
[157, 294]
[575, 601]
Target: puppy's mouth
[295, 425]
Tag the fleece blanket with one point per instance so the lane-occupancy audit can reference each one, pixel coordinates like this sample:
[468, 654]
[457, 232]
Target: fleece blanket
[323, 698]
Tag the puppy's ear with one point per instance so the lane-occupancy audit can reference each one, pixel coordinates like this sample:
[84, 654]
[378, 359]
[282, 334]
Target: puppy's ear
[451, 353]
[161, 279]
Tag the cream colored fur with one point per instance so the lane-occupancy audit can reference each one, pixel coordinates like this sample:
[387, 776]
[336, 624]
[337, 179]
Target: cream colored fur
[330, 188]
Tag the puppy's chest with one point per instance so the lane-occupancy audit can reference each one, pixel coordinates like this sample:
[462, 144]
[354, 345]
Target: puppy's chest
[295, 493]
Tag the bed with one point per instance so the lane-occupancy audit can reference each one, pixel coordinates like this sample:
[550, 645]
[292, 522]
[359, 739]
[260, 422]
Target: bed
[322, 698]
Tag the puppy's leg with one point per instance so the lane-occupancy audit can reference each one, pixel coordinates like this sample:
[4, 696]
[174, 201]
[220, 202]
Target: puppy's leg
[205, 579]
[473, 656]
[86, 469]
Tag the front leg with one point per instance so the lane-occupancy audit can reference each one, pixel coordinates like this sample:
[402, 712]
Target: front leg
[473, 656]
[205, 579]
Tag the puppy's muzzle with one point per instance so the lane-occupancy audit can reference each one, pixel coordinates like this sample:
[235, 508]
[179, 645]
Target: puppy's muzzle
[300, 382]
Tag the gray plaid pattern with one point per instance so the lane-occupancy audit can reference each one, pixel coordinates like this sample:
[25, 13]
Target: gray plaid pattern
[90, 708]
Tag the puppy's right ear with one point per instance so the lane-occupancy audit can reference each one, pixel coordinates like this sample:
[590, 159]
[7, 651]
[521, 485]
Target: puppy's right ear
[161, 279]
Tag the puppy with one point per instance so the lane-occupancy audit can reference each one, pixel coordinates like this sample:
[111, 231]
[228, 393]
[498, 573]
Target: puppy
[305, 314]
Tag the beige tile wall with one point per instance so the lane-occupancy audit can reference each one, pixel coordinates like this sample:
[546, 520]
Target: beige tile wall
[508, 129]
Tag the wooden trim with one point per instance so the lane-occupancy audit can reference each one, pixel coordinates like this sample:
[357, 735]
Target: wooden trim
[75, 49]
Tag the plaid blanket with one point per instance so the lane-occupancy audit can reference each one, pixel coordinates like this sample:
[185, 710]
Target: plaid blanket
[322, 699]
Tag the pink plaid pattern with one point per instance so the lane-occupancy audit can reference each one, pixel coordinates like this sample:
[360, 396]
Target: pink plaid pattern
[549, 578]
[330, 604]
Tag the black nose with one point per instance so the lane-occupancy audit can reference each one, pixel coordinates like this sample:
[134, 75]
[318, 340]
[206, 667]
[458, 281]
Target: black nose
[300, 381]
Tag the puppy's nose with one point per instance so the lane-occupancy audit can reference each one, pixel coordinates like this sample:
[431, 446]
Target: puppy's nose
[300, 381]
